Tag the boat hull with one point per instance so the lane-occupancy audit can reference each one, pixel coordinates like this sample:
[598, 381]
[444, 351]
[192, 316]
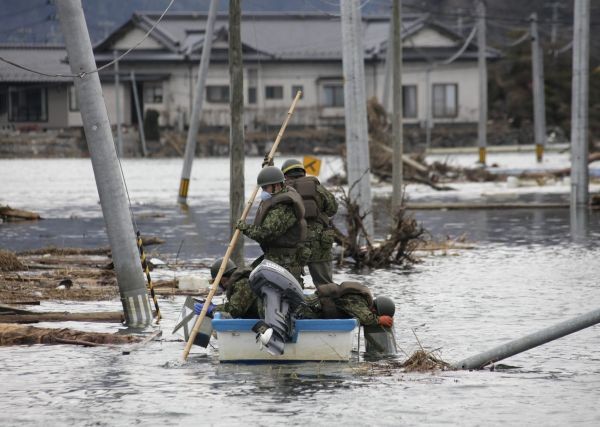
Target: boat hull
[314, 340]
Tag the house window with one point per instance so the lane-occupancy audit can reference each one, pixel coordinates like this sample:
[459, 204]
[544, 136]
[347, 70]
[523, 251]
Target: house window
[445, 100]
[295, 89]
[28, 104]
[153, 93]
[251, 95]
[409, 101]
[73, 104]
[274, 92]
[333, 95]
[217, 94]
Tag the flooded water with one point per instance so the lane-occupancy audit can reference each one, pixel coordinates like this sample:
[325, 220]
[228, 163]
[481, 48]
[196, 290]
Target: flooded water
[530, 269]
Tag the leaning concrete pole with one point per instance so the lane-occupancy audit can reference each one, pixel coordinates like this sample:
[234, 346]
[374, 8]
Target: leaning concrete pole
[481, 48]
[355, 107]
[579, 105]
[539, 99]
[111, 190]
[530, 341]
[397, 117]
[236, 130]
[190, 146]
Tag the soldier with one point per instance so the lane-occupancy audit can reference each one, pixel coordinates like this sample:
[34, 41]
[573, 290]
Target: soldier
[279, 226]
[350, 299]
[320, 205]
[241, 301]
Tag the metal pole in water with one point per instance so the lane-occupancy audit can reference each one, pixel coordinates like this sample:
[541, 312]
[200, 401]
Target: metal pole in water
[190, 146]
[355, 108]
[482, 128]
[397, 100]
[539, 99]
[389, 58]
[530, 341]
[579, 105]
[236, 130]
[105, 163]
[139, 114]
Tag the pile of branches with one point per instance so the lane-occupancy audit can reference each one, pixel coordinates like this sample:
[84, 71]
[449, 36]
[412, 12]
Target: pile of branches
[414, 168]
[27, 335]
[9, 261]
[397, 248]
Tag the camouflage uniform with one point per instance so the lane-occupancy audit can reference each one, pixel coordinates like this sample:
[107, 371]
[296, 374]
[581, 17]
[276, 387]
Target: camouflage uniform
[277, 232]
[350, 305]
[320, 234]
[241, 301]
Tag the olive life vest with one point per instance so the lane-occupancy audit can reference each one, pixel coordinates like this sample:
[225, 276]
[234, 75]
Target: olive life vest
[306, 186]
[296, 234]
[329, 293]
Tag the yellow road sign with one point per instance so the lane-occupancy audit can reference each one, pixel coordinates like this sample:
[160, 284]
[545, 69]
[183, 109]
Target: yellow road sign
[312, 165]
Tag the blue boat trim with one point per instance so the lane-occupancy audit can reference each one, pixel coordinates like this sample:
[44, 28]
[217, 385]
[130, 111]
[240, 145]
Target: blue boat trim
[316, 325]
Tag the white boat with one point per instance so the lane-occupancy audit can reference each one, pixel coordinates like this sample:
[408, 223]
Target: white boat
[313, 340]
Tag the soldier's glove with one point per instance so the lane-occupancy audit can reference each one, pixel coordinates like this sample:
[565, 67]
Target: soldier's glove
[385, 321]
[241, 225]
[267, 161]
[200, 305]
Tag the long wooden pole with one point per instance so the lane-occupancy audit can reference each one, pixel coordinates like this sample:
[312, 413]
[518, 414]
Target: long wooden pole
[235, 237]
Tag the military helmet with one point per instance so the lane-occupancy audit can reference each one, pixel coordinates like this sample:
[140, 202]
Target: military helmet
[292, 164]
[229, 268]
[384, 306]
[269, 175]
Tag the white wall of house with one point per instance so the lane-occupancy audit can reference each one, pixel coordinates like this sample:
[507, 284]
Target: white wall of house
[283, 79]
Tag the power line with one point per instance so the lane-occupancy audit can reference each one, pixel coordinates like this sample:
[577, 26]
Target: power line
[84, 73]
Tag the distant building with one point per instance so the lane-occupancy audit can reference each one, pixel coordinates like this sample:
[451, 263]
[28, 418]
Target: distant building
[282, 53]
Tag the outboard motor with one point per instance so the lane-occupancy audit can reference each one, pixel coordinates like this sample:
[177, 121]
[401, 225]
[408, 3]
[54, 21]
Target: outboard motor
[281, 295]
[380, 340]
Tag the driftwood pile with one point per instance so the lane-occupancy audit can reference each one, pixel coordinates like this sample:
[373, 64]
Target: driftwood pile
[414, 168]
[9, 214]
[27, 335]
[66, 274]
[403, 238]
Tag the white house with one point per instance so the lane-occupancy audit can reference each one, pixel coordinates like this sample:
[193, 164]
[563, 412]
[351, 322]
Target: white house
[282, 53]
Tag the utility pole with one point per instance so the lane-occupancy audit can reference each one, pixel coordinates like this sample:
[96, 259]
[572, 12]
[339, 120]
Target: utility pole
[236, 132]
[139, 113]
[118, 106]
[482, 128]
[554, 32]
[389, 60]
[397, 118]
[539, 99]
[579, 105]
[428, 116]
[459, 22]
[190, 146]
[355, 108]
[113, 199]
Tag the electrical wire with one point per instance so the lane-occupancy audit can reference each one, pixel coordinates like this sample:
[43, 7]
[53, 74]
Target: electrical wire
[84, 73]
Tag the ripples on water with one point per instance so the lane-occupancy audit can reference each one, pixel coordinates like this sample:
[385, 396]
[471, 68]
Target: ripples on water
[531, 268]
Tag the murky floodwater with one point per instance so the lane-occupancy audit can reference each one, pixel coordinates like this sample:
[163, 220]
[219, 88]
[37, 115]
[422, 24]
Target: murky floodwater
[531, 269]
